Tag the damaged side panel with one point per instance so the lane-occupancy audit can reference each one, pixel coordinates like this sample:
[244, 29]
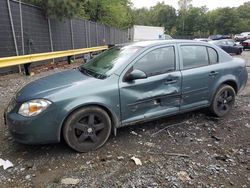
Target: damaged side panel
[151, 97]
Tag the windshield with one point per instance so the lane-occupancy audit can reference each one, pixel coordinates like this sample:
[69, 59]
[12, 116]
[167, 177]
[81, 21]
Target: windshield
[230, 42]
[106, 62]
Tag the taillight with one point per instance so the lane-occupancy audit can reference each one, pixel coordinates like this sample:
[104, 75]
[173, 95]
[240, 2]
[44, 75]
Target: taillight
[245, 44]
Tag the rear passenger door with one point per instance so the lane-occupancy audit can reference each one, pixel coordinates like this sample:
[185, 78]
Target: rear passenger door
[196, 75]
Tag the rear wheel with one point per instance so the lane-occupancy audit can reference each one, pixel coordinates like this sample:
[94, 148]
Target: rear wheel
[87, 129]
[239, 52]
[223, 101]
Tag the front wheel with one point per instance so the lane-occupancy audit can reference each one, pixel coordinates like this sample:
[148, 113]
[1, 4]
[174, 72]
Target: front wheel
[223, 101]
[87, 129]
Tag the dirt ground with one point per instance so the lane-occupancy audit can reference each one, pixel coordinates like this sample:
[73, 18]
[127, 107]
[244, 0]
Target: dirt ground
[188, 150]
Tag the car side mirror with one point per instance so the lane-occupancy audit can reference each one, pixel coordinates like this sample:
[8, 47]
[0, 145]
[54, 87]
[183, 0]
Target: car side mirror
[135, 75]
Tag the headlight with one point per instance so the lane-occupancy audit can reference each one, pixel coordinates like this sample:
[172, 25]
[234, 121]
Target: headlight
[33, 107]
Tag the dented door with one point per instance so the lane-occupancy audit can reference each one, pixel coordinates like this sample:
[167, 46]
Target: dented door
[155, 96]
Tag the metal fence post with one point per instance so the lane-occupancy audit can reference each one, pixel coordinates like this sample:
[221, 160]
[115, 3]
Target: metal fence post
[96, 31]
[50, 38]
[89, 34]
[86, 33]
[21, 22]
[13, 32]
[104, 35]
[72, 35]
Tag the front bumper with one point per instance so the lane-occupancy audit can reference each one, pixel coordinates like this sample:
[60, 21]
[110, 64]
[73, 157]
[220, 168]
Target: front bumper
[42, 129]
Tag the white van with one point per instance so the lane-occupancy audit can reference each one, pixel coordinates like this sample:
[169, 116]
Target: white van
[142, 33]
[242, 36]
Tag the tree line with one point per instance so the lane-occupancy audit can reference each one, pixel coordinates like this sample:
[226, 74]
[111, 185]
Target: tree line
[187, 20]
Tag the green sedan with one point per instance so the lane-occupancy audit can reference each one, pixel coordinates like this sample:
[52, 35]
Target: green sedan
[125, 85]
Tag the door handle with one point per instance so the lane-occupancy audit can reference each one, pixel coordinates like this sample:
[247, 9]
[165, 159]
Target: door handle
[170, 81]
[213, 73]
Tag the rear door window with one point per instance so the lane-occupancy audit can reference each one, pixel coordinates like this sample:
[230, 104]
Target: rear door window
[194, 56]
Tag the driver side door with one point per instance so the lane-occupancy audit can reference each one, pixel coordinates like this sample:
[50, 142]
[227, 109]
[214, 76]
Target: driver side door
[156, 95]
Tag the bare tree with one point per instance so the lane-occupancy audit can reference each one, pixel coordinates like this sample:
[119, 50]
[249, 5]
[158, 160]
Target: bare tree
[184, 4]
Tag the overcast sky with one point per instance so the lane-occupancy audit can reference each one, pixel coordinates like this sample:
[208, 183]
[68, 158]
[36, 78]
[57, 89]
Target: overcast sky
[211, 4]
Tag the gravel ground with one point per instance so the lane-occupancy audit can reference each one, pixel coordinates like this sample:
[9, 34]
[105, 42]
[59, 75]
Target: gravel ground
[188, 150]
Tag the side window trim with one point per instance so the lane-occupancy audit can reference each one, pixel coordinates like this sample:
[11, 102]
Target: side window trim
[217, 61]
[209, 61]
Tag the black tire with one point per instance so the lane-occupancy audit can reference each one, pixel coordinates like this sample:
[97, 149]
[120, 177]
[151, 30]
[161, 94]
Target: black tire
[239, 52]
[87, 129]
[223, 101]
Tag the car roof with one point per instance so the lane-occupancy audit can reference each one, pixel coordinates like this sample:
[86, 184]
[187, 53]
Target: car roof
[162, 42]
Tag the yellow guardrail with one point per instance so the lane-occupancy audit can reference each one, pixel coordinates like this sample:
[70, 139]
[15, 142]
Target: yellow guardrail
[23, 59]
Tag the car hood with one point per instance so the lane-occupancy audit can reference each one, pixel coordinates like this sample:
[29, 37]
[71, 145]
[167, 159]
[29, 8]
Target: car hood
[48, 85]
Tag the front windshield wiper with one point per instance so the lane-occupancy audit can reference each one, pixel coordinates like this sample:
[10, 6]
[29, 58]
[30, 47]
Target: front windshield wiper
[84, 71]
[92, 73]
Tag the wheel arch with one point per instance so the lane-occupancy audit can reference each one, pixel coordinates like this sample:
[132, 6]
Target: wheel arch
[231, 83]
[113, 117]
